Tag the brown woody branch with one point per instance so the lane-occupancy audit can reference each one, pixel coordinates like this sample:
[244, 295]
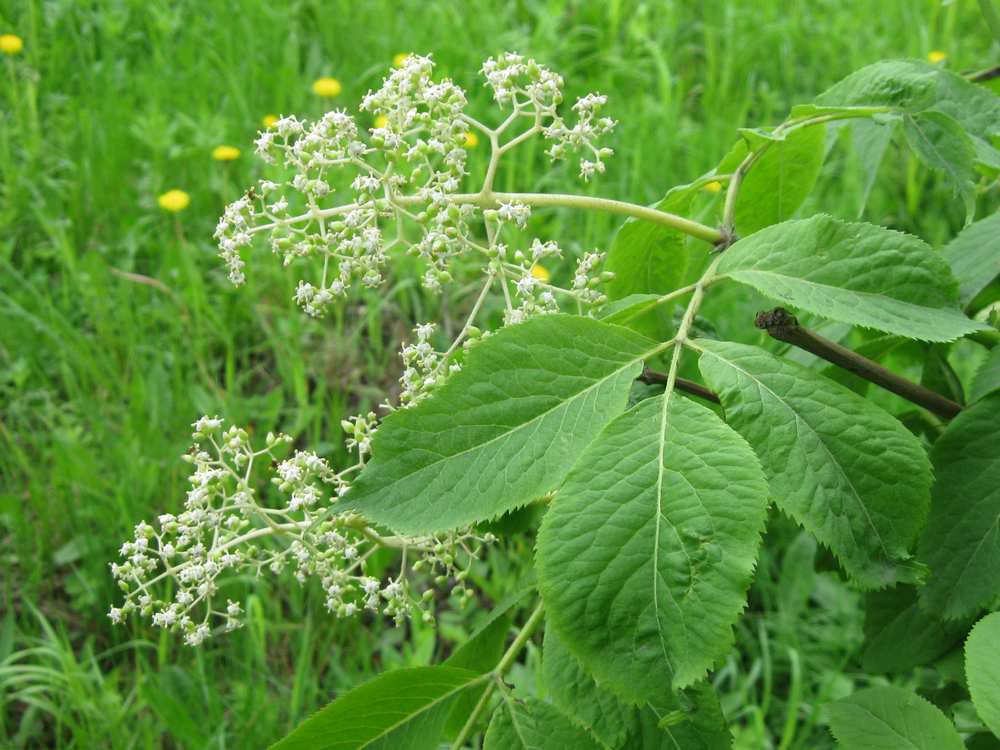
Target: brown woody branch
[688, 386]
[784, 326]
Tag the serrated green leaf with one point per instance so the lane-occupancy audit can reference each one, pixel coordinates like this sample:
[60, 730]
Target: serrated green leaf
[915, 86]
[692, 721]
[647, 551]
[855, 273]
[533, 725]
[852, 475]
[962, 541]
[899, 635]
[982, 669]
[574, 691]
[987, 378]
[502, 432]
[890, 718]
[974, 256]
[396, 709]
[943, 145]
[780, 179]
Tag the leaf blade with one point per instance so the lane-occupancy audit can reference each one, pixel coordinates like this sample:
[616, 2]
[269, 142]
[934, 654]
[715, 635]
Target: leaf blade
[372, 712]
[534, 725]
[974, 256]
[850, 272]
[815, 440]
[780, 179]
[982, 669]
[890, 718]
[528, 399]
[646, 597]
[961, 544]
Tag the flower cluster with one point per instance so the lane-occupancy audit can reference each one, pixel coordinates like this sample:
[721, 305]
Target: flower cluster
[226, 530]
[340, 198]
[583, 136]
[400, 181]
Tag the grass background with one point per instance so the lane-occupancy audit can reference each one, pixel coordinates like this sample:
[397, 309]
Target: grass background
[112, 102]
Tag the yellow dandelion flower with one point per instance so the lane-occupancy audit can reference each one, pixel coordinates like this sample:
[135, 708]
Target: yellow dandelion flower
[268, 120]
[936, 56]
[713, 187]
[541, 273]
[174, 201]
[327, 87]
[471, 140]
[399, 60]
[225, 153]
[11, 44]
[381, 121]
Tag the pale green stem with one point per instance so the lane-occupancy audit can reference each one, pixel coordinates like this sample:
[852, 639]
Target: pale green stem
[501, 668]
[493, 200]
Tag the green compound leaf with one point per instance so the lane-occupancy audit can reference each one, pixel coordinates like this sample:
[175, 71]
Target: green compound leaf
[534, 725]
[915, 86]
[974, 256]
[852, 475]
[899, 635]
[780, 179]
[502, 432]
[962, 541]
[576, 693]
[855, 273]
[647, 551]
[891, 718]
[396, 709]
[982, 669]
[943, 145]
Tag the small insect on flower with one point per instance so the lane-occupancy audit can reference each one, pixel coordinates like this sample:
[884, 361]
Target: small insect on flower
[399, 59]
[712, 187]
[225, 153]
[327, 87]
[268, 120]
[936, 56]
[471, 140]
[11, 44]
[174, 201]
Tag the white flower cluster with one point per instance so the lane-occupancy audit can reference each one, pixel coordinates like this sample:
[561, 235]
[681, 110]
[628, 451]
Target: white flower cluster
[224, 531]
[583, 136]
[404, 173]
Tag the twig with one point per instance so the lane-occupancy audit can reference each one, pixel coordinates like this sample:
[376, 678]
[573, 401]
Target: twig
[984, 75]
[688, 386]
[782, 325]
[502, 666]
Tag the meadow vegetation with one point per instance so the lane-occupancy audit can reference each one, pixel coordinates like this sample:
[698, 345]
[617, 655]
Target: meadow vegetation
[126, 127]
